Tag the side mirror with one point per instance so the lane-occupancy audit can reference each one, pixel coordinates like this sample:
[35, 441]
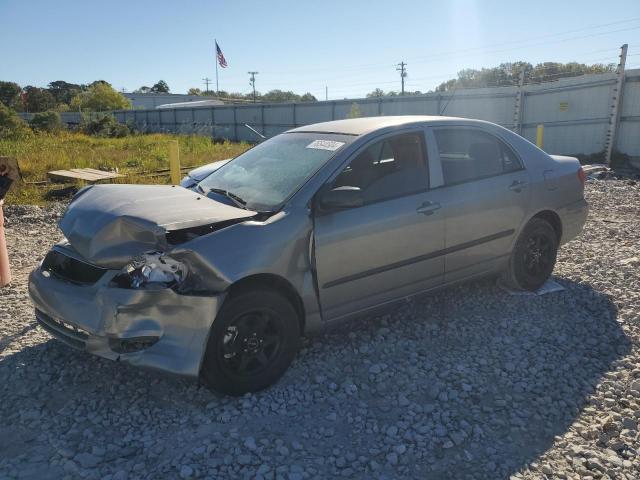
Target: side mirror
[340, 197]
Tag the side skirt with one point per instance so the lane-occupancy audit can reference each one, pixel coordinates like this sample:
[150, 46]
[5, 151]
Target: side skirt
[388, 305]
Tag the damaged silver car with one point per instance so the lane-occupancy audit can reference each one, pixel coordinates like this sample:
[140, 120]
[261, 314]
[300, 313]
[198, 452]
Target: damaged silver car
[310, 227]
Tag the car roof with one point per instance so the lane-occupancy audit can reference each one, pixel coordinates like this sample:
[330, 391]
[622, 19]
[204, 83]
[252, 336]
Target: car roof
[360, 126]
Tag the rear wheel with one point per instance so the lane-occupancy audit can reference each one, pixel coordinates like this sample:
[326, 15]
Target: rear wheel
[533, 256]
[252, 342]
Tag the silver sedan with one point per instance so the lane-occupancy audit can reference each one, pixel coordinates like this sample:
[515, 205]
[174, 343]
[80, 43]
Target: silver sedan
[308, 228]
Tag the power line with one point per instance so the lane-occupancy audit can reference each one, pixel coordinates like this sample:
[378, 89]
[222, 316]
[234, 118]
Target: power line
[466, 51]
[538, 70]
[444, 76]
[534, 39]
[354, 75]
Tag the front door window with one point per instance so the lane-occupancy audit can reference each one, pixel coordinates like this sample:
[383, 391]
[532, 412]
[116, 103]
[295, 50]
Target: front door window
[391, 168]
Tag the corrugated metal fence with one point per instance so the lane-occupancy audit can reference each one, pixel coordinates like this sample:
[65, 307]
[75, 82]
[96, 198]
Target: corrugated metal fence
[575, 112]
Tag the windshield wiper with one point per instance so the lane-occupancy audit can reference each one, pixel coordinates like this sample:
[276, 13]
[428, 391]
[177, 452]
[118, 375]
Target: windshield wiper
[235, 198]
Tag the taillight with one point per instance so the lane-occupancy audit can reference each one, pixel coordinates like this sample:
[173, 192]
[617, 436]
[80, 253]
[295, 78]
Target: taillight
[582, 176]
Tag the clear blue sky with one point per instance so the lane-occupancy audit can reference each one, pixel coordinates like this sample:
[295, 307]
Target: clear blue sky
[349, 46]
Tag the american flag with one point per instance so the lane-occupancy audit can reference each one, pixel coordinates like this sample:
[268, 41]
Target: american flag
[221, 60]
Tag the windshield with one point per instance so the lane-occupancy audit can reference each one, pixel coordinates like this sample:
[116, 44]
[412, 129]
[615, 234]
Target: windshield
[267, 175]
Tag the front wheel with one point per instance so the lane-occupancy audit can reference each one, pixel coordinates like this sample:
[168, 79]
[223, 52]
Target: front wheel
[533, 256]
[253, 340]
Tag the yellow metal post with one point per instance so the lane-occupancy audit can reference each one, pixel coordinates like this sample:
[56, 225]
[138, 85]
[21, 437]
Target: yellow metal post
[539, 135]
[174, 162]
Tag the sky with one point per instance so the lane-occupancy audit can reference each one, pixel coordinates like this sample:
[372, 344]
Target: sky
[349, 46]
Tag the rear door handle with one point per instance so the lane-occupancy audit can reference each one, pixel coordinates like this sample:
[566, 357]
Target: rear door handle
[427, 208]
[517, 185]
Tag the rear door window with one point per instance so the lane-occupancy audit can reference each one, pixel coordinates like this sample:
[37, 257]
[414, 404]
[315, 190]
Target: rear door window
[469, 154]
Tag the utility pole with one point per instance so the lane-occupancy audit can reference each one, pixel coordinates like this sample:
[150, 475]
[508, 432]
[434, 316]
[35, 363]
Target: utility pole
[206, 81]
[517, 115]
[614, 116]
[252, 82]
[326, 93]
[403, 73]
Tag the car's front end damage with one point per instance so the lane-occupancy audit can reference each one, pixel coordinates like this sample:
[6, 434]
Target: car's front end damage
[114, 289]
[154, 327]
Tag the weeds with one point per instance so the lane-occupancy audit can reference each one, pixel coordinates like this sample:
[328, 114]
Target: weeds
[138, 157]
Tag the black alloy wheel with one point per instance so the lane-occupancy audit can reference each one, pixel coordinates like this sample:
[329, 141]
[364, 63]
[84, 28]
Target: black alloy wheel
[253, 340]
[538, 255]
[533, 257]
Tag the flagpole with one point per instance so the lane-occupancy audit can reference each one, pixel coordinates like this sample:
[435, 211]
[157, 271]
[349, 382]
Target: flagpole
[217, 87]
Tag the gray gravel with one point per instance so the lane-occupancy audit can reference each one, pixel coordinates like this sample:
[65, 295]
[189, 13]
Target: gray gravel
[466, 383]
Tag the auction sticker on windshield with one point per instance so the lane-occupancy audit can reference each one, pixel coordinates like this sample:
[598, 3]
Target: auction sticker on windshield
[330, 145]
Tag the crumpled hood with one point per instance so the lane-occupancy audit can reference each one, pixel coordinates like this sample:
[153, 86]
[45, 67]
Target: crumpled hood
[109, 224]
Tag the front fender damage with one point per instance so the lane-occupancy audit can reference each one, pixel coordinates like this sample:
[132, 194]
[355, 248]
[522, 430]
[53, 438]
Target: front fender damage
[181, 322]
[113, 321]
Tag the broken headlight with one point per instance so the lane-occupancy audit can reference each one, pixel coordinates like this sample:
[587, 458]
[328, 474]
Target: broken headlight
[151, 270]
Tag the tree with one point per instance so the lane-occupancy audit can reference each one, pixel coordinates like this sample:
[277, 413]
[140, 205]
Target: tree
[38, 99]
[160, 87]
[446, 86]
[62, 107]
[46, 121]
[105, 126]
[10, 95]
[100, 97]
[63, 91]
[509, 74]
[194, 91]
[277, 96]
[99, 82]
[307, 97]
[143, 89]
[376, 93]
[11, 125]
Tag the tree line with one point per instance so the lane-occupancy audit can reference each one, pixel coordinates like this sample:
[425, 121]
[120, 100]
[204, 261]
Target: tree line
[61, 96]
[272, 96]
[507, 74]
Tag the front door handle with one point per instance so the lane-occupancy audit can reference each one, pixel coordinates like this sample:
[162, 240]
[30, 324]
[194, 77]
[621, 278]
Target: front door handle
[517, 186]
[427, 208]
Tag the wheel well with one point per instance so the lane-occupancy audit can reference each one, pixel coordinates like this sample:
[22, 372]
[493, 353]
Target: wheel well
[273, 282]
[553, 219]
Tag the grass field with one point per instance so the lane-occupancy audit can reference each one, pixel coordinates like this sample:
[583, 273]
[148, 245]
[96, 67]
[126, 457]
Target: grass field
[137, 157]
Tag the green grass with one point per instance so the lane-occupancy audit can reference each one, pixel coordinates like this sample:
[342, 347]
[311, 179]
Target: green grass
[135, 156]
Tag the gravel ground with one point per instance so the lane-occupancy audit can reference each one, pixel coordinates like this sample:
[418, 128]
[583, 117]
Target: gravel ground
[466, 383]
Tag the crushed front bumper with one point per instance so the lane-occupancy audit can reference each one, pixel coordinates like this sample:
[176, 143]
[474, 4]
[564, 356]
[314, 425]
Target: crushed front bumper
[160, 329]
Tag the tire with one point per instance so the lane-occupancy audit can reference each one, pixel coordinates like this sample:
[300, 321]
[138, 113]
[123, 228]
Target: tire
[253, 340]
[533, 257]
